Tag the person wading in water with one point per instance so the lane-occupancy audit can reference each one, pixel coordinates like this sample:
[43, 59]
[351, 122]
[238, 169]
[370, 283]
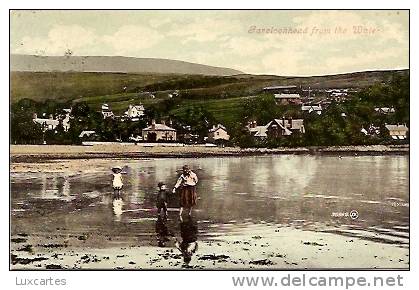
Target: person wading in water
[187, 182]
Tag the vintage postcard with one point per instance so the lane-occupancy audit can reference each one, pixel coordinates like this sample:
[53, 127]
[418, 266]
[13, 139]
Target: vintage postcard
[209, 139]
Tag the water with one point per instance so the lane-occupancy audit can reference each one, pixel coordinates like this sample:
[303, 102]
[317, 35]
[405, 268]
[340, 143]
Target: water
[312, 193]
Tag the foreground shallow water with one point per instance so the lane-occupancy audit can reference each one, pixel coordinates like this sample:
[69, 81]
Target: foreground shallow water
[313, 194]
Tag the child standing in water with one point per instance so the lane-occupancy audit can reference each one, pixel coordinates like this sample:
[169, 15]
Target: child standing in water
[117, 180]
[162, 196]
[187, 181]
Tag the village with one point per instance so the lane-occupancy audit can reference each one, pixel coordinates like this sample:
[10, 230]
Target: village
[307, 101]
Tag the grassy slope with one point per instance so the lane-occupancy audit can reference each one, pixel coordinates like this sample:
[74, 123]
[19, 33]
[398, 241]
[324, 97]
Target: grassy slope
[222, 96]
[224, 110]
[72, 85]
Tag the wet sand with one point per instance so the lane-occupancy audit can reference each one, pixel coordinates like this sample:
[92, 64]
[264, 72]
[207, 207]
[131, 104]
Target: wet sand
[33, 153]
[270, 247]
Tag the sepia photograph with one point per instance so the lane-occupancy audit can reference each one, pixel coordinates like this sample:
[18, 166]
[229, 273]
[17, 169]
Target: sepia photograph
[209, 140]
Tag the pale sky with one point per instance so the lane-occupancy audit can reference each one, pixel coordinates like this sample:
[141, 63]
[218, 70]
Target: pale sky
[233, 39]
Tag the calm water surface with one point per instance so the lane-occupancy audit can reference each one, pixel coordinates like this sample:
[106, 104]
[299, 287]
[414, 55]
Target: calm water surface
[313, 193]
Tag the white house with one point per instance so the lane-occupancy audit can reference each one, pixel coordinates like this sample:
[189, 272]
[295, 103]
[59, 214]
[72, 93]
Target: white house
[277, 128]
[259, 132]
[286, 99]
[86, 133]
[285, 127]
[371, 130]
[218, 132]
[51, 123]
[385, 110]
[106, 111]
[312, 108]
[397, 132]
[66, 122]
[135, 112]
[135, 138]
[46, 124]
[159, 132]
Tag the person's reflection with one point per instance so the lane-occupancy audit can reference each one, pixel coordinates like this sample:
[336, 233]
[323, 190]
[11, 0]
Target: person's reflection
[189, 244]
[162, 231]
[117, 204]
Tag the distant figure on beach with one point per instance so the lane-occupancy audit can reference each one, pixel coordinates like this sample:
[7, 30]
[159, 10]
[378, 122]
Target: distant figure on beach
[117, 183]
[189, 244]
[187, 182]
[161, 200]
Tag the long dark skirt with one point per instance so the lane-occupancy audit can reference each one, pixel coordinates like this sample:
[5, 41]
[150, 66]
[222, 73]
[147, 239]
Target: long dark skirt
[188, 196]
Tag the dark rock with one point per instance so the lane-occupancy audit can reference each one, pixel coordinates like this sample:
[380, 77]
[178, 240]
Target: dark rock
[313, 244]
[213, 257]
[24, 261]
[52, 245]
[18, 240]
[82, 238]
[264, 262]
[27, 248]
[53, 267]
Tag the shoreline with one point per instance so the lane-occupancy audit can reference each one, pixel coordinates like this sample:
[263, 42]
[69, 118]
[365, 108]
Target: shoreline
[36, 153]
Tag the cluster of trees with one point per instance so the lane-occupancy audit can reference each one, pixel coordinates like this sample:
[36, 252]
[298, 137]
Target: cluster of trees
[195, 120]
[83, 117]
[331, 127]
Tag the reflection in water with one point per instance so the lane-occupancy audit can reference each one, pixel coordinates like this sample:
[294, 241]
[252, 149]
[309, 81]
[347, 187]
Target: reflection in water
[299, 191]
[162, 231]
[189, 234]
[117, 205]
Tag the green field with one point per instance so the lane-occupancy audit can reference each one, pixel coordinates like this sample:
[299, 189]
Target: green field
[224, 110]
[223, 96]
[67, 86]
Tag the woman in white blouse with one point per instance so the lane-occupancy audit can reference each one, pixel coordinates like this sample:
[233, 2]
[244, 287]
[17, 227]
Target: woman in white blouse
[187, 182]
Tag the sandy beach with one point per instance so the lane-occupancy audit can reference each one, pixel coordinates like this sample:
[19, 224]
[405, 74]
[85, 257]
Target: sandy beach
[256, 248]
[22, 153]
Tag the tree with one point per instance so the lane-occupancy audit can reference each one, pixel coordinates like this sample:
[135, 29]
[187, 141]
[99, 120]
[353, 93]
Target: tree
[23, 130]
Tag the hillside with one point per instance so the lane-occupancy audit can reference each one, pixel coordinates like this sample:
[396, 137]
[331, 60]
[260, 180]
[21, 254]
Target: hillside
[118, 64]
[66, 86]
[223, 96]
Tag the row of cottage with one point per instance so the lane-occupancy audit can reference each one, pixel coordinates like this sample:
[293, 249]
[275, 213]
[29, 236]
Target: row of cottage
[161, 132]
[133, 113]
[276, 128]
[218, 133]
